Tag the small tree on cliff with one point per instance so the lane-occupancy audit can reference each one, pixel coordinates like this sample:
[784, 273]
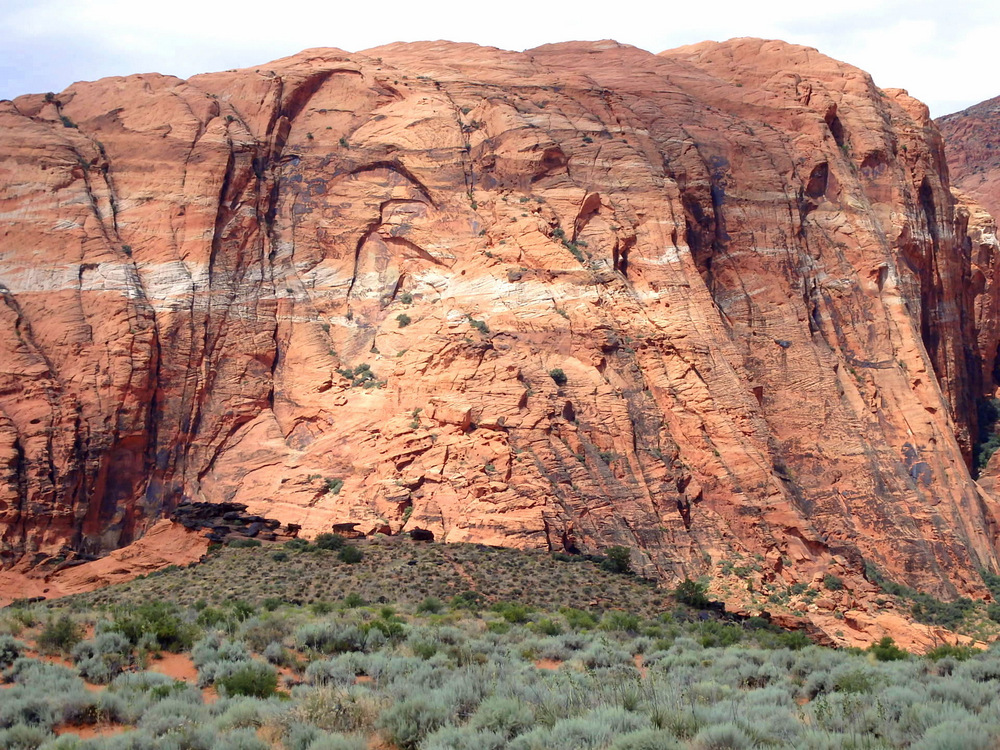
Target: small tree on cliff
[618, 560]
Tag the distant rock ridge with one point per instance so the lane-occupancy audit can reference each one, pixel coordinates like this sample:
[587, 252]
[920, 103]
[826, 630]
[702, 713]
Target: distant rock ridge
[972, 145]
[718, 305]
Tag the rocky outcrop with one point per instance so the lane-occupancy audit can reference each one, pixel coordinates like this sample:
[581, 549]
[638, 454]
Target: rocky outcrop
[164, 544]
[715, 305]
[972, 145]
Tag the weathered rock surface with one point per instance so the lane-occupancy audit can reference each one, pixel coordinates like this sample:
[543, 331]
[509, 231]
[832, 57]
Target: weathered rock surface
[972, 145]
[713, 304]
[166, 543]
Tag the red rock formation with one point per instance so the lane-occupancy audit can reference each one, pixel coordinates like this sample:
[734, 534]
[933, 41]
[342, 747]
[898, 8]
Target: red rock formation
[166, 543]
[972, 145]
[744, 259]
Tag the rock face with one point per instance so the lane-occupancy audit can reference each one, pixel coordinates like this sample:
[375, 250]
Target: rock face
[713, 304]
[972, 145]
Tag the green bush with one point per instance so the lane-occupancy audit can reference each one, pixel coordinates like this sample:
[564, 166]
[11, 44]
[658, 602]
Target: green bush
[350, 554]
[354, 599]
[512, 612]
[558, 376]
[10, 650]
[253, 678]
[431, 605]
[832, 582]
[403, 320]
[329, 541]
[242, 543]
[887, 650]
[59, 635]
[948, 651]
[618, 560]
[692, 594]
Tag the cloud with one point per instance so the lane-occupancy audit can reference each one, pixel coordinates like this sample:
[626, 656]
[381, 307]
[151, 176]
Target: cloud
[939, 52]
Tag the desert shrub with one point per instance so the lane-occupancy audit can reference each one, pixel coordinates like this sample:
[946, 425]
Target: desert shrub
[241, 739]
[353, 599]
[338, 709]
[548, 626]
[512, 612]
[171, 714]
[558, 376]
[956, 735]
[103, 658]
[10, 650]
[602, 654]
[43, 676]
[331, 637]
[350, 554]
[22, 737]
[887, 650]
[407, 722]
[337, 741]
[341, 670]
[620, 621]
[22, 706]
[243, 712]
[59, 635]
[211, 617]
[832, 582]
[158, 620]
[647, 739]
[295, 734]
[134, 686]
[958, 652]
[596, 729]
[212, 648]
[985, 668]
[253, 678]
[242, 543]
[931, 611]
[431, 605]
[277, 654]
[692, 594]
[617, 560]
[727, 736]
[578, 619]
[328, 540]
[508, 717]
[134, 692]
[258, 632]
[463, 738]
[468, 600]
[712, 633]
[68, 742]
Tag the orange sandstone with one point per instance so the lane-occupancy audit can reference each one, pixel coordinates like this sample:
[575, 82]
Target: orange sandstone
[744, 257]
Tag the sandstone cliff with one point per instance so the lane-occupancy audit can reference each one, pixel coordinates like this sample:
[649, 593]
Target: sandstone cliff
[715, 305]
[972, 146]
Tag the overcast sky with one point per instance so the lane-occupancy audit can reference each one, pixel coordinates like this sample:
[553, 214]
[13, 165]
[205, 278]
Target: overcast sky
[943, 52]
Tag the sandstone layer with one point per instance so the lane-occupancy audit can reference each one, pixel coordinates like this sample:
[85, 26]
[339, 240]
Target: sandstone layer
[715, 305]
[972, 146]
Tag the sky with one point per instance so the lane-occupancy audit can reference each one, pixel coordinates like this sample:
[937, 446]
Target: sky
[943, 52]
